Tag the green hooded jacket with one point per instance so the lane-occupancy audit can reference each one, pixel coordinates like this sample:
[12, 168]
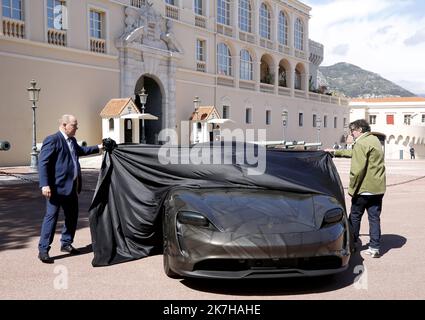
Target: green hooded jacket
[367, 173]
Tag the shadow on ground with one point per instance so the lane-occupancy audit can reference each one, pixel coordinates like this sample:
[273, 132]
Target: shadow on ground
[294, 286]
[22, 210]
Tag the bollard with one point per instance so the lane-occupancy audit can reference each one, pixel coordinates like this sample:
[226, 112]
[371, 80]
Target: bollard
[4, 145]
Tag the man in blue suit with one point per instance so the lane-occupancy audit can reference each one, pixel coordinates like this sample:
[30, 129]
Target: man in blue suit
[60, 183]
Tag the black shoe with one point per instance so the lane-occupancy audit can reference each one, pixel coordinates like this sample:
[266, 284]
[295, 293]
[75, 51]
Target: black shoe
[44, 257]
[70, 249]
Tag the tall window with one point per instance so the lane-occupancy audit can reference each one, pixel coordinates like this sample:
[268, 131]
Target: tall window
[335, 122]
[314, 120]
[325, 121]
[245, 15]
[372, 119]
[246, 65]
[248, 116]
[268, 117]
[283, 29]
[265, 22]
[200, 50]
[198, 8]
[223, 12]
[55, 14]
[407, 119]
[172, 2]
[224, 60]
[423, 118]
[300, 119]
[299, 34]
[298, 80]
[226, 112]
[96, 24]
[390, 119]
[111, 124]
[13, 9]
[344, 122]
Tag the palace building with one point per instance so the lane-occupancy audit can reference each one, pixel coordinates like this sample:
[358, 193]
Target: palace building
[400, 120]
[248, 61]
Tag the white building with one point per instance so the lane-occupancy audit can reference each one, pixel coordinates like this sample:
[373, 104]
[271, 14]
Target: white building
[249, 59]
[402, 120]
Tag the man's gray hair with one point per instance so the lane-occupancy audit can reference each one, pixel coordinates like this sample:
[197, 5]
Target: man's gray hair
[66, 118]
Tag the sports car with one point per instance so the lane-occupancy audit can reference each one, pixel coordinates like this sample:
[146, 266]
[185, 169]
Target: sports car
[233, 233]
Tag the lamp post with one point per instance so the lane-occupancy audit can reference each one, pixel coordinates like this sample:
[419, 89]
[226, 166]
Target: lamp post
[143, 97]
[284, 122]
[318, 125]
[33, 94]
[196, 103]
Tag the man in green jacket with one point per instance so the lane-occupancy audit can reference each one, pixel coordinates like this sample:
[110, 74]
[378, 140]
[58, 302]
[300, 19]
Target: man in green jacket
[367, 182]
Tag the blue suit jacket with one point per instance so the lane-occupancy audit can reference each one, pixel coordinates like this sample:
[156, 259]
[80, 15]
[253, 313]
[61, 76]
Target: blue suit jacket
[56, 168]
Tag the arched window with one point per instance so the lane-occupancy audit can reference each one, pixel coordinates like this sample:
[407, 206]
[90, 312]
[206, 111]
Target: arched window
[298, 79]
[245, 65]
[299, 34]
[245, 15]
[172, 2]
[223, 12]
[111, 124]
[283, 29]
[265, 22]
[224, 63]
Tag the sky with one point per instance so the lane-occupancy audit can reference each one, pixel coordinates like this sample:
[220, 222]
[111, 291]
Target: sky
[383, 36]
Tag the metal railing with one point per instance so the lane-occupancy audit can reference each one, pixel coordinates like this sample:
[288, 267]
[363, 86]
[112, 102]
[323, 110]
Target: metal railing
[226, 30]
[137, 3]
[201, 66]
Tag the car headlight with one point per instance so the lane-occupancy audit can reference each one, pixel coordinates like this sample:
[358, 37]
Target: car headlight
[332, 216]
[192, 218]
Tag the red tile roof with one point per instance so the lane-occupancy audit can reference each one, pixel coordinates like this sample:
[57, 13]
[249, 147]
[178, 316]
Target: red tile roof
[115, 106]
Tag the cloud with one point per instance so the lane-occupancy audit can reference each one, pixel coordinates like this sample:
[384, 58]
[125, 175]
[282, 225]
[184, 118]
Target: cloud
[383, 36]
[341, 50]
[417, 38]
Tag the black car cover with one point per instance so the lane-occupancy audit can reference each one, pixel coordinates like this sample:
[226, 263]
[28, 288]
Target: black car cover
[125, 214]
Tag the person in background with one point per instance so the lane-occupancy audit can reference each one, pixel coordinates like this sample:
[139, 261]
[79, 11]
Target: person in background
[60, 183]
[367, 182]
[412, 152]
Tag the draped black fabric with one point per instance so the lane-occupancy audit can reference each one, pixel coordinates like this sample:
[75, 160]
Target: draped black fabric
[125, 214]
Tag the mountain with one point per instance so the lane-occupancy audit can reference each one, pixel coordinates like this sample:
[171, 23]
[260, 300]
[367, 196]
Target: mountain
[354, 82]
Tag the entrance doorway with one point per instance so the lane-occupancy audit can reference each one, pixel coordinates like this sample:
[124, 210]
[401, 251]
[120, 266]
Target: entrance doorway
[153, 106]
[128, 131]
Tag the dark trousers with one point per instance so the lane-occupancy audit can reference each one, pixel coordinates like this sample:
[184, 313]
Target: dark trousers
[69, 205]
[373, 205]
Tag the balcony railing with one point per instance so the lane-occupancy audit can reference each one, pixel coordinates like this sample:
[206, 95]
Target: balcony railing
[283, 91]
[247, 85]
[299, 94]
[247, 37]
[97, 45]
[137, 3]
[225, 81]
[226, 30]
[172, 12]
[201, 66]
[268, 88]
[200, 21]
[265, 43]
[56, 37]
[300, 54]
[284, 49]
[14, 28]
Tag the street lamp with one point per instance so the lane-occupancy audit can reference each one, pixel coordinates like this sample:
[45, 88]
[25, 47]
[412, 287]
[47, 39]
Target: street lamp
[33, 94]
[284, 122]
[318, 125]
[143, 97]
[196, 103]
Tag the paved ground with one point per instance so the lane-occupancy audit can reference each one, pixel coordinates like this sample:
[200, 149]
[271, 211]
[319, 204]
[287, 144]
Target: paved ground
[398, 274]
